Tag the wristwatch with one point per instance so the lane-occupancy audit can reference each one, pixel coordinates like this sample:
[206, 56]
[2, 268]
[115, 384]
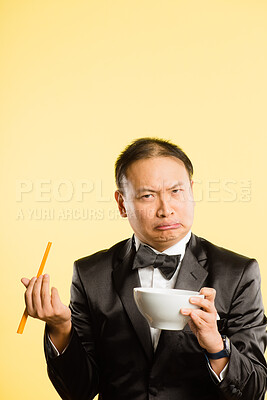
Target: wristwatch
[223, 353]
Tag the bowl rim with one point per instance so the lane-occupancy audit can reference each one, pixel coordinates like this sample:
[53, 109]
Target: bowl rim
[166, 291]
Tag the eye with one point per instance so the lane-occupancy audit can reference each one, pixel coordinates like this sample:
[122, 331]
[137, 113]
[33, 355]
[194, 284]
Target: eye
[147, 196]
[176, 190]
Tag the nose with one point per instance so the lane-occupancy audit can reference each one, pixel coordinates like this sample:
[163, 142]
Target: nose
[164, 208]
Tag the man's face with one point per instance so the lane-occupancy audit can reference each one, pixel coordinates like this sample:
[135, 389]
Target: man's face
[157, 198]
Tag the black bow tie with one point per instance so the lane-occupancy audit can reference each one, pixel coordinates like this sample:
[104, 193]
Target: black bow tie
[146, 257]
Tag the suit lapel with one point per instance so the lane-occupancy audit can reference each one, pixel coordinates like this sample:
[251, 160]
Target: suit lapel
[191, 276]
[192, 273]
[125, 279]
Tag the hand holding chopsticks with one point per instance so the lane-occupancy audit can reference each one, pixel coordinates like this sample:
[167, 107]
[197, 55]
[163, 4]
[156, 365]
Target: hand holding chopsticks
[45, 306]
[40, 271]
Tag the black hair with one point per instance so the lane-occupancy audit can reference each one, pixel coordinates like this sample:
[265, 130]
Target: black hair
[147, 148]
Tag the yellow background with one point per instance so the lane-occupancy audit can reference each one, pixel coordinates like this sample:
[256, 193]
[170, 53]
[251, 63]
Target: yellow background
[79, 81]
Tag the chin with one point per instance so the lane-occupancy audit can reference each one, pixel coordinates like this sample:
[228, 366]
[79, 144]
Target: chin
[171, 237]
[167, 238]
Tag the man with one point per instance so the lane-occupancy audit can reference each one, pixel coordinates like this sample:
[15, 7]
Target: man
[102, 344]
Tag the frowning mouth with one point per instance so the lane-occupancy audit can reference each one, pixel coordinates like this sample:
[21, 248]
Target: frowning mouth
[164, 227]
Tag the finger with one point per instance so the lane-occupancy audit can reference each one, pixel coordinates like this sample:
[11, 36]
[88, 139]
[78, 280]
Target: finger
[36, 297]
[206, 304]
[25, 281]
[199, 319]
[185, 311]
[198, 315]
[45, 295]
[195, 315]
[209, 293]
[28, 296]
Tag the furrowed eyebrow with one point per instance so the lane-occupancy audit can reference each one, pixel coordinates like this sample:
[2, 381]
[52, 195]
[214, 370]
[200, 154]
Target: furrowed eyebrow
[148, 189]
[177, 184]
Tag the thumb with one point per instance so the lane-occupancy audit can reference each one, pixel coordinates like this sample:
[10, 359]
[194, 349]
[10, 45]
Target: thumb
[192, 326]
[55, 299]
[25, 281]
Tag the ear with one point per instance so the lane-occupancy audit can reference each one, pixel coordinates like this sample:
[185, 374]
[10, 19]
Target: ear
[120, 201]
[191, 185]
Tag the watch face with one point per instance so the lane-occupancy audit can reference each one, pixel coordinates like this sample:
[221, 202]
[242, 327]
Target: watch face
[226, 351]
[227, 345]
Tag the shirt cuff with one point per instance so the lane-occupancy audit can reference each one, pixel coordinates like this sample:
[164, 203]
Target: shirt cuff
[222, 373]
[55, 351]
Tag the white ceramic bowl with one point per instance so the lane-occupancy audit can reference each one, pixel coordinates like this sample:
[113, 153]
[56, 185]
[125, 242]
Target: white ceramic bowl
[161, 307]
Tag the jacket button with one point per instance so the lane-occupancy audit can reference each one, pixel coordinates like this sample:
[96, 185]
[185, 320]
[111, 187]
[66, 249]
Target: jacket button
[235, 391]
[153, 391]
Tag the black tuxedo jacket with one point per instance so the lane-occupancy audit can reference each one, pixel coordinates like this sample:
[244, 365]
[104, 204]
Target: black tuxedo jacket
[111, 352]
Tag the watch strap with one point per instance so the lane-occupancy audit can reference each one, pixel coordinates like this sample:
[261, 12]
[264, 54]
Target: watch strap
[223, 353]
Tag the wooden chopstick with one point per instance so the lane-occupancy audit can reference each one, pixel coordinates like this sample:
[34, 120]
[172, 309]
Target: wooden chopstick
[40, 271]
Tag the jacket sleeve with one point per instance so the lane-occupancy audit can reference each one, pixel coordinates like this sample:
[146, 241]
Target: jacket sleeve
[246, 374]
[74, 373]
